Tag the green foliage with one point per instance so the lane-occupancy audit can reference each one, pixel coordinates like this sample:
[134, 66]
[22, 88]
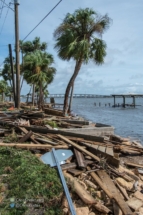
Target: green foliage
[27, 179]
[12, 138]
[75, 37]
[4, 108]
[51, 123]
[5, 73]
[31, 46]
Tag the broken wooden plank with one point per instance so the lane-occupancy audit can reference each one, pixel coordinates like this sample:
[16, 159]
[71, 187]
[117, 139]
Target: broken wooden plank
[134, 164]
[25, 132]
[110, 186]
[101, 148]
[44, 140]
[33, 146]
[99, 182]
[75, 172]
[122, 190]
[26, 137]
[84, 195]
[74, 165]
[109, 151]
[79, 148]
[79, 158]
[110, 159]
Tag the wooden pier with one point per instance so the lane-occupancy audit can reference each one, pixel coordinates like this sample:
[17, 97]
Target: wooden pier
[124, 96]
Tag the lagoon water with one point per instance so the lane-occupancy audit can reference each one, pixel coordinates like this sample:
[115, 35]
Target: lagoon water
[128, 122]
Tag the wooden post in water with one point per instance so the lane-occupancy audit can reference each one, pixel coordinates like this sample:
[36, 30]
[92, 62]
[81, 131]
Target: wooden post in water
[134, 102]
[114, 101]
[124, 101]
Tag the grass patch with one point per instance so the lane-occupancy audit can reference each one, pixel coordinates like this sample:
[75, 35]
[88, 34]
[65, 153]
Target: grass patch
[32, 185]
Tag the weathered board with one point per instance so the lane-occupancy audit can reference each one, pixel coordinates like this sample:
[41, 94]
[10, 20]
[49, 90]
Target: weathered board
[110, 186]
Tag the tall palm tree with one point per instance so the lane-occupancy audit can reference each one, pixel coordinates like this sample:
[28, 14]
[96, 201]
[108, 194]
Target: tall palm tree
[29, 47]
[75, 39]
[38, 71]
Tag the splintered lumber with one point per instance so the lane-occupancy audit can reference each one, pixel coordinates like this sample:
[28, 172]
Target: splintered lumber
[122, 190]
[128, 172]
[54, 112]
[26, 137]
[79, 158]
[84, 195]
[116, 138]
[75, 172]
[25, 132]
[74, 165]
[79, 148]
[44, 140]
[110, 186]
[134, 164]
[100, 183]
[33, 146]
[100, 150]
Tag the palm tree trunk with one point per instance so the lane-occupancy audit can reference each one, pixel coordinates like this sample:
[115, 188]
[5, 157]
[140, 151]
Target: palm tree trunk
[40, 97]
[21, 81]
[3, 97]
[71, 97]
[28, 95]
[71, 82]
[33, 94]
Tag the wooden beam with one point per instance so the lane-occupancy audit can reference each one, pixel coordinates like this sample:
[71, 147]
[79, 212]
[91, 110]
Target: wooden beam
[79, 158]
[116, 195]
[26, 137]
[25, 132]
[134, 164]
[79, 148]
[33, 146]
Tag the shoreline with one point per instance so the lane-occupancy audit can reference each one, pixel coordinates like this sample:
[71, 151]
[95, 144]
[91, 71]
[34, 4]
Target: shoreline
[38, 132]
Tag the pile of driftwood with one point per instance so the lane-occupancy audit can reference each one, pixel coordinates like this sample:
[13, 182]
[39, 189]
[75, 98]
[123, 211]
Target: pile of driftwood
[104, 175]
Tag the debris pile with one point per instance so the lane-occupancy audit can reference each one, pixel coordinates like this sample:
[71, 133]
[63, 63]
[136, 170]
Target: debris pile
[104, 174]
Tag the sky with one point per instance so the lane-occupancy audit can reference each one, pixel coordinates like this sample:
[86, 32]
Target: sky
[122, 71]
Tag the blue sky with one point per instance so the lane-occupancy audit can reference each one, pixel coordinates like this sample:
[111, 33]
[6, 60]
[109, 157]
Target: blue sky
[122, 71]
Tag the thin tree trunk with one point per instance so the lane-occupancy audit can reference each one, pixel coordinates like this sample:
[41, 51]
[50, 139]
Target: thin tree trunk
[33, 95]
[71, 98]
[71, 82]
[3, 97]
[28, 95]
[21, 78]
[40, 97]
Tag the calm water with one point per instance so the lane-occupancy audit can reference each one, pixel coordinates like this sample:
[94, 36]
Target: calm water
[128, 122]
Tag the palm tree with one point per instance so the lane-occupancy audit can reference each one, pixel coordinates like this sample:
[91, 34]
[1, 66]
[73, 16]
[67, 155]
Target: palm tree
[38, 71]
[75, 39]
[6, 73]
[29, 47]
[3, 88]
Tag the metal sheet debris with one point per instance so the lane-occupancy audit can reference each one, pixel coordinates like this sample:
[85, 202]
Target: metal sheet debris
[62, 155]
